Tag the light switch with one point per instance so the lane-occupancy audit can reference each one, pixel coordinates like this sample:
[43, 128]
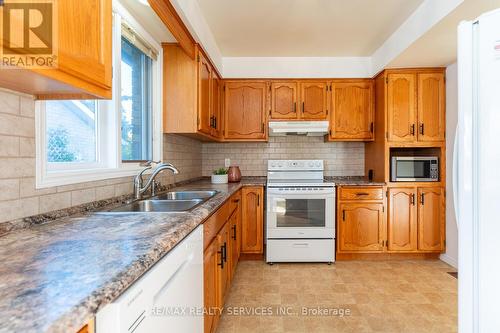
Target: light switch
[227, 162]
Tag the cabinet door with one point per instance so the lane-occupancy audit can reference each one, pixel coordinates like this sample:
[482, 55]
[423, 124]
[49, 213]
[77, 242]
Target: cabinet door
[252, 220]
[244, 110]
[235, 234]
[360, 227]
[352, 111]
[204, 94]
[401, 112]
[401, 226]
[85, 40]
[314, 100]
[210, 285]
[223, 263]
[431, 107]
[284, 100]
[216, 113]
[430, 219]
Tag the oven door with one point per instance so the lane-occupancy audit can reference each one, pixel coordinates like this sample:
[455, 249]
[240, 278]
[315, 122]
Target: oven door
[301, 213]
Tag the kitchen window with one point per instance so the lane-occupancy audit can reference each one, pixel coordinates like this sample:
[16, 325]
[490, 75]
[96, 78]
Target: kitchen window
[86, 140]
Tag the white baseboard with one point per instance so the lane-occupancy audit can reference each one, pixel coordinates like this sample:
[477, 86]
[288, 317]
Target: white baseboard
[449, 260]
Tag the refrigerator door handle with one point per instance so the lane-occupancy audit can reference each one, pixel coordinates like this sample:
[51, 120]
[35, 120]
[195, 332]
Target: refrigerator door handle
[455, 175]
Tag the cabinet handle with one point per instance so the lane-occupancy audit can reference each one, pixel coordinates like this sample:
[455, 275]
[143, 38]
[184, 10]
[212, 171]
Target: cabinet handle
[295, 107]
[302, 107]
[343, 215]
[422, 199]
[221, 252]
[236, 200]
[371, 127]
[412, 129]
[362, 193]
[421, 128]
[262, 129]
[412, 199]
[215, 122]
[225, 251]
[258, 200]
[212, 122]
[234, 231]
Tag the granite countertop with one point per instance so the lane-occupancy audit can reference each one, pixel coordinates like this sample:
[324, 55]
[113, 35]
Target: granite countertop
[353, 181]
[55, 276]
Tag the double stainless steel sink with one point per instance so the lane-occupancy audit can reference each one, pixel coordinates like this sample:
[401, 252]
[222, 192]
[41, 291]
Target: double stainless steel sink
[175, 201]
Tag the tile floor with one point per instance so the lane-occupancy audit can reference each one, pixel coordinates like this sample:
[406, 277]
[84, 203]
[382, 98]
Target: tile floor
[382, 296]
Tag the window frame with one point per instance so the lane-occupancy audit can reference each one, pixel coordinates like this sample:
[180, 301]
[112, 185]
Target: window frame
[109, 164]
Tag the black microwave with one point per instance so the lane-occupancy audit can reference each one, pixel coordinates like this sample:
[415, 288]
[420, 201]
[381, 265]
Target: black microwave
[414, 169]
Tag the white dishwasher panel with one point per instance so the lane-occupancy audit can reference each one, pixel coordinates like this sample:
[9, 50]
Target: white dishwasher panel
[167, 298]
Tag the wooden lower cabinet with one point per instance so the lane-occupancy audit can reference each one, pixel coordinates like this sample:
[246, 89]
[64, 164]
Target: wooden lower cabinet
[415, 222]
[223, 263]
[402, 219]
[252, 220]
[360, 219]
[210, 285]
[361, 227]
[223, 235]
[235, 238]
[431, 210]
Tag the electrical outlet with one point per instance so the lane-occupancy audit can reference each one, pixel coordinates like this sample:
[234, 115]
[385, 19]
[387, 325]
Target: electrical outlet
[227, 162]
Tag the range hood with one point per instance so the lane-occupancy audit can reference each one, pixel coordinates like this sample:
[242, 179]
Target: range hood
[307, 128]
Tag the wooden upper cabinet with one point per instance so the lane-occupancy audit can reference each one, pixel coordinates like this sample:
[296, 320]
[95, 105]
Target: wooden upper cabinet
[284, 100]
[245, 110]
[401, 107]
[431, 107]
[85, 39]
[204, 95]
[252, 224]
[361, 227]
[210, 284]
[191, 94]
[84, 55]
[352, 115]
[431, 219]
[401, 224]
[216, 112]
[314, 100]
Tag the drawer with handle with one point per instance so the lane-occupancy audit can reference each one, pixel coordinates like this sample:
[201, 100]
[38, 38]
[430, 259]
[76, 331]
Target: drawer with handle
[361, 193]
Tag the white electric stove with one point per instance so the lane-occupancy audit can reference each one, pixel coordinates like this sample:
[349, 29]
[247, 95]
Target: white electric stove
[300, 212]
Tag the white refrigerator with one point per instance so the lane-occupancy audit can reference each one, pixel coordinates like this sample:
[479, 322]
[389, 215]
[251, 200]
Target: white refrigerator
[476, 174]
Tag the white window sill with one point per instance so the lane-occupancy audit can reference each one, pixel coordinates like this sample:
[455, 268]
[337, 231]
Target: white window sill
[78, 176]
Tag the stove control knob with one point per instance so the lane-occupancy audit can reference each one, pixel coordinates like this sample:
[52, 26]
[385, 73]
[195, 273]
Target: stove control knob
[273, 165]
[311, 164]
[280, 164]
[318, 164]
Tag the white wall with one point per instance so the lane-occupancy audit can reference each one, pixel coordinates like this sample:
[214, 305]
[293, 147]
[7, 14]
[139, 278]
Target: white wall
[297, 67]
[451, 255]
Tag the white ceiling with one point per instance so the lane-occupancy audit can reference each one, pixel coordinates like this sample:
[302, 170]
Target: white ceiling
[303, 28]
[438, 47]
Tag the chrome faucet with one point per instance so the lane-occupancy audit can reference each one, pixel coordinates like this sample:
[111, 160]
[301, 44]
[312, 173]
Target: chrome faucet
[139, 189]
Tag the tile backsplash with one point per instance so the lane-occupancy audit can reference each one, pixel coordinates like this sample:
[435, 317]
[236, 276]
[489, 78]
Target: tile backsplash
[341, 158]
